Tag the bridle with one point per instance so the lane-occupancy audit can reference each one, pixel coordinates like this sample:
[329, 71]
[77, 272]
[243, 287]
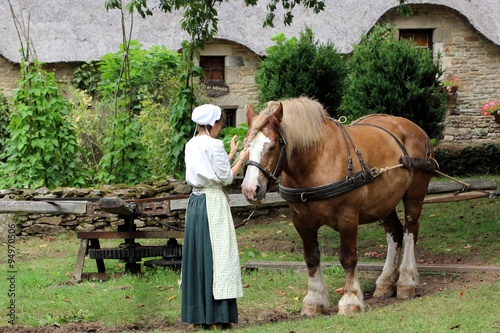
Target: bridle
[272, 177]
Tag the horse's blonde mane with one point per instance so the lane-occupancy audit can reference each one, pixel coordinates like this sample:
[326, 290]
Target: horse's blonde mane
[303, 121]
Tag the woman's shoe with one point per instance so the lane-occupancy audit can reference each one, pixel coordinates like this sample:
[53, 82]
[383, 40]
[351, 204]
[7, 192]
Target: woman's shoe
[227, 326]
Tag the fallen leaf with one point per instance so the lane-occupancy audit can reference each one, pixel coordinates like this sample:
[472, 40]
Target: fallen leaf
[340, 291]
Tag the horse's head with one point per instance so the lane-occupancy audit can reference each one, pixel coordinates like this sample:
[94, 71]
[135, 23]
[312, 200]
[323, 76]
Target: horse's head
[266, 151]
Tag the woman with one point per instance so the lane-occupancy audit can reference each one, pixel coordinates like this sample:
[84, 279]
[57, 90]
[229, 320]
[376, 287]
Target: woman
[211, 276]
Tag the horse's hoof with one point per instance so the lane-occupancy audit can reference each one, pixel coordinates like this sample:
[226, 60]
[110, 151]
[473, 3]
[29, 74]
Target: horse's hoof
[384, 291]
[349, 309]
[406, 292]
[311, 310]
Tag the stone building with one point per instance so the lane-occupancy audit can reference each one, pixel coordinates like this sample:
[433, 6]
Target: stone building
[466, 33]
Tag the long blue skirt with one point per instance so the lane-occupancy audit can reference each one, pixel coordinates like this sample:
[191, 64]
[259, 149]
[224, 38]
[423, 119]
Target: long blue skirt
[198, 303]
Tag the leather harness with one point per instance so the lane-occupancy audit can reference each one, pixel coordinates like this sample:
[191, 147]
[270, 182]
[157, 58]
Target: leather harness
[341, 186]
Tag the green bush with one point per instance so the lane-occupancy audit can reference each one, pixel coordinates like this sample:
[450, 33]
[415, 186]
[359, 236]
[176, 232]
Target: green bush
[472, 160]
[125, 128]
[302, 67]
[87, 78]
[142, 72]
[41, 149]
[394, 77]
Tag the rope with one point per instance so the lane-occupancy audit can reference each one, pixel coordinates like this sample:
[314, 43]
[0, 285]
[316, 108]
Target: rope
[458, 181]
[254, 210]
[382, 170]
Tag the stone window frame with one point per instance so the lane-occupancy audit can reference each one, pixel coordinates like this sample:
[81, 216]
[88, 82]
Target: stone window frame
[418, 35]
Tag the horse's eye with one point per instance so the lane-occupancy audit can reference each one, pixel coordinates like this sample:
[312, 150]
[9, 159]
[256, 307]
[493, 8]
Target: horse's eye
[270, 146]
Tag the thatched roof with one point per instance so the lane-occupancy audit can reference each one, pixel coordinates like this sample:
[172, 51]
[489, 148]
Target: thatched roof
[69, 30]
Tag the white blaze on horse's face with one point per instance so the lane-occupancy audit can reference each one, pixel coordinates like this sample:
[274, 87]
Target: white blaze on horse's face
[254, 184]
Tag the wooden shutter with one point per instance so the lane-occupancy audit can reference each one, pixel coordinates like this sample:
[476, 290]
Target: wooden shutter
[213, 68]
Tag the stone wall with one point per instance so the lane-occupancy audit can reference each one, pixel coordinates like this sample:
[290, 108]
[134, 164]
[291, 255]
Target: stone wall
[9, 75]
[472, 58]
[93, 220]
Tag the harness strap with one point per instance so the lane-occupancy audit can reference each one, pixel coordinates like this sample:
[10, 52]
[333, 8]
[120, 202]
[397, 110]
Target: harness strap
[346, 136]
[339, 187]
[429, 163]
[327, 191]
[393, 136]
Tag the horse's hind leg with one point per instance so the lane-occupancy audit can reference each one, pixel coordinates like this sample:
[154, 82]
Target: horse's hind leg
[386, 282]
[413, 201]
[408, 273]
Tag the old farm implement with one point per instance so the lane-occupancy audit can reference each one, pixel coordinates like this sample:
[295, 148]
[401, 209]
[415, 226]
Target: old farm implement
[130, 251]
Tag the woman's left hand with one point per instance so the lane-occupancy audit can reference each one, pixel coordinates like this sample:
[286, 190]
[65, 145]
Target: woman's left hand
[233, 147]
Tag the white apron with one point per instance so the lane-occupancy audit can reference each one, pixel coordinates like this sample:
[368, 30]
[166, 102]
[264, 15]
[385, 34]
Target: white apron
[227, 271]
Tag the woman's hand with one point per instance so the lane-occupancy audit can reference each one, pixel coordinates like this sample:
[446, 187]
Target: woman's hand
[244, 155]
[234, 147]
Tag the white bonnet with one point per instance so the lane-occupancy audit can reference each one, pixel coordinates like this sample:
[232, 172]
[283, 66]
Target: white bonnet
[206, 114]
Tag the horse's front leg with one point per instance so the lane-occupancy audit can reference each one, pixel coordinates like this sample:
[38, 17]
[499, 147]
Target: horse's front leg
[352, 300]
[316, 300]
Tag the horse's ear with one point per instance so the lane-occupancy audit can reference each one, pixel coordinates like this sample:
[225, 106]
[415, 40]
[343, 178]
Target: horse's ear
[278, 113]
[250, 115]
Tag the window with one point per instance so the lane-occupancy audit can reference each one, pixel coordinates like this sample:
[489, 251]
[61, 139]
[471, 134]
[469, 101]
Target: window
[230, 117]
[213, 68]
[423, 37]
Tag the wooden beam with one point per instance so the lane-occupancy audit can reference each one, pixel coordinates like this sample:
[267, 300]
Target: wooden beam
[237, 200]
[43, 207]
[132, 235]
[365, 266]
[115, 205]
[453, 198]
[452, 186]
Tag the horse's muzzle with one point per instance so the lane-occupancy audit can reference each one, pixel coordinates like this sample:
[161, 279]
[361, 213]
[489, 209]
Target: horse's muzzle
[256, 195]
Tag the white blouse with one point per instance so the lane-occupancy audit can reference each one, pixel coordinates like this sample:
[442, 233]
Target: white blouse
[207, 163]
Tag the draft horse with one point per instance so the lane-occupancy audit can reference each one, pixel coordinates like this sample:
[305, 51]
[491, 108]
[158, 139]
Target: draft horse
[342, 177]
